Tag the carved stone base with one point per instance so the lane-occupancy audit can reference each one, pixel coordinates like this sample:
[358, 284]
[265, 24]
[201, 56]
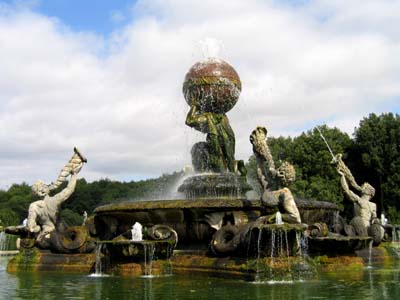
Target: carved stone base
[213, 185]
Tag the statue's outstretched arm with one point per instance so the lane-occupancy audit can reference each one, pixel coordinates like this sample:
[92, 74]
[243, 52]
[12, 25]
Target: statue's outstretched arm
[343, 169]
[67, 191]
[353, 197]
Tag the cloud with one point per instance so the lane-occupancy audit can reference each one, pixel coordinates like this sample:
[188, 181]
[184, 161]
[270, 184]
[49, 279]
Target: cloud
[119, 97]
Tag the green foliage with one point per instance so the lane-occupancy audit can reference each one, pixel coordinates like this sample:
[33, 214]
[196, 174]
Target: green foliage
[70, 217]
[377, 152]
[17, 200]
[8, 217]
[317, 178]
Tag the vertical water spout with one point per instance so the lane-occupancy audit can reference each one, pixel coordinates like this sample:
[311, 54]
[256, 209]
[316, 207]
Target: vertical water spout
[167, 271]
[98, 266]
[210, 47]
[395, 234]
[278, 218]
[3, 241]
[370, 255]
[149, 250]
[137, 234]
[258, 277]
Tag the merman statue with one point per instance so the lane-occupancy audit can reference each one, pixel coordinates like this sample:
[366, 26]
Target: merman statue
[364, 210]
[43, 214]
[275, 181]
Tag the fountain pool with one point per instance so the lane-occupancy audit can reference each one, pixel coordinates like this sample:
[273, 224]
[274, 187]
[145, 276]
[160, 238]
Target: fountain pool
[374, 283]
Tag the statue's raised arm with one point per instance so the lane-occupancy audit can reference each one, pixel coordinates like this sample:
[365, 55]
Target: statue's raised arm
[365, 220]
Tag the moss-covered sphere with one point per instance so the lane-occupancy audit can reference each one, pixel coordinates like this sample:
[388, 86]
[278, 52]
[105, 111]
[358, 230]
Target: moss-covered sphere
[213, 84]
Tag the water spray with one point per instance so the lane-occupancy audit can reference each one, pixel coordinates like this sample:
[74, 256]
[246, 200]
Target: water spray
[329, 148]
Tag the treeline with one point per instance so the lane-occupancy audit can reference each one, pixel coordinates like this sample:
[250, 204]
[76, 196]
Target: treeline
[372, 154]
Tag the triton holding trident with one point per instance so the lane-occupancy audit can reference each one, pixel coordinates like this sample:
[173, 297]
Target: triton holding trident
[364, 209]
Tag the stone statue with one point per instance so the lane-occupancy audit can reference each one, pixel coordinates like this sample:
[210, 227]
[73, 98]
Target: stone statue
[217, 153]
[364, 210]
[274, 181]
[212, 88]
[43, 214]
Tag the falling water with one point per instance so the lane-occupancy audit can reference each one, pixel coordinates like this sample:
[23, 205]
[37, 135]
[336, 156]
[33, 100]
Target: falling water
[395, 234]
[148, 293]
[258, 277]
[211, 47]
[272, 259]
[98, 267]
[278, 220]
[167, 270]
[4, 241]
[3, 246]
[302, 244]
[149, 250]
[370, 255]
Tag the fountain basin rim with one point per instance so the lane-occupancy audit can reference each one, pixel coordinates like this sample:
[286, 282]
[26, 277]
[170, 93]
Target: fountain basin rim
[342, 238]
[220, 203]
[179, 204]
[129, 242]
[285, 227]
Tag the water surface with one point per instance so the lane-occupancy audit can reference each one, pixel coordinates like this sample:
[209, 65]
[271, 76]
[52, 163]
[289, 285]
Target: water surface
[372, 283]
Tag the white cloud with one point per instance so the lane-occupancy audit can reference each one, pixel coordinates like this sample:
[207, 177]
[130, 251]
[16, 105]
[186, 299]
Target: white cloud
[119, 98]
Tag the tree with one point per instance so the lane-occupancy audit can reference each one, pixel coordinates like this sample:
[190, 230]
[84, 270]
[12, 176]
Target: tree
[377, 153]
[8, 217]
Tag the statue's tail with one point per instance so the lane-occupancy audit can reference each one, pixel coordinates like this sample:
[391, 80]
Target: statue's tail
[75, 163]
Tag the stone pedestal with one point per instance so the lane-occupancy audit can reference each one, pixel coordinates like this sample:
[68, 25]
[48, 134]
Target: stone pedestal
[213, 185]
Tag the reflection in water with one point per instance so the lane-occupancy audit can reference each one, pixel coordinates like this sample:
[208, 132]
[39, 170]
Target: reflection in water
[375, 283]
[148, 289]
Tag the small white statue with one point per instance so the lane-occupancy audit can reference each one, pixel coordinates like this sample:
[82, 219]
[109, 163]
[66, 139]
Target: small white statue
[85, 217]
[137, 234]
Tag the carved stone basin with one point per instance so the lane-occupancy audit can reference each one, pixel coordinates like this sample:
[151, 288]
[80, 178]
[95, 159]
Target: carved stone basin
[195, 220]
[189, 218]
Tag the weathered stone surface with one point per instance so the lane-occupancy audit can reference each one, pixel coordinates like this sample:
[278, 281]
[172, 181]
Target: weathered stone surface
[220, 203]
[215, 186]
[337, 245]
[214, 84]
[35, 260]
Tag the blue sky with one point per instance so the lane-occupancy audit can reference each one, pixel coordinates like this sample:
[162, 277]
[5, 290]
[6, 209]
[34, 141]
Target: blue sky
[100, 16]
[106, 76]
[87, 15]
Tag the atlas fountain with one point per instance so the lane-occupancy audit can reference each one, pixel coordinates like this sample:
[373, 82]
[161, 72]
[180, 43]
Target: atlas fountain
[217, 225]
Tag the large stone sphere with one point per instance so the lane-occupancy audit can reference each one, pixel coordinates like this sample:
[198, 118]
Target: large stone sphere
[213, 85]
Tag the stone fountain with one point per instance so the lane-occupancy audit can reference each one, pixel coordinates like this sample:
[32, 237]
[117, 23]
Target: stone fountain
[216, 226]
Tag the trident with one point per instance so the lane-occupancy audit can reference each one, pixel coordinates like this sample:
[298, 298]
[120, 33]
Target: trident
[329, 148]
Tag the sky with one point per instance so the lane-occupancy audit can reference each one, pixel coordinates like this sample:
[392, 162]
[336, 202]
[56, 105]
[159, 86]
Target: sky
[106, 76]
